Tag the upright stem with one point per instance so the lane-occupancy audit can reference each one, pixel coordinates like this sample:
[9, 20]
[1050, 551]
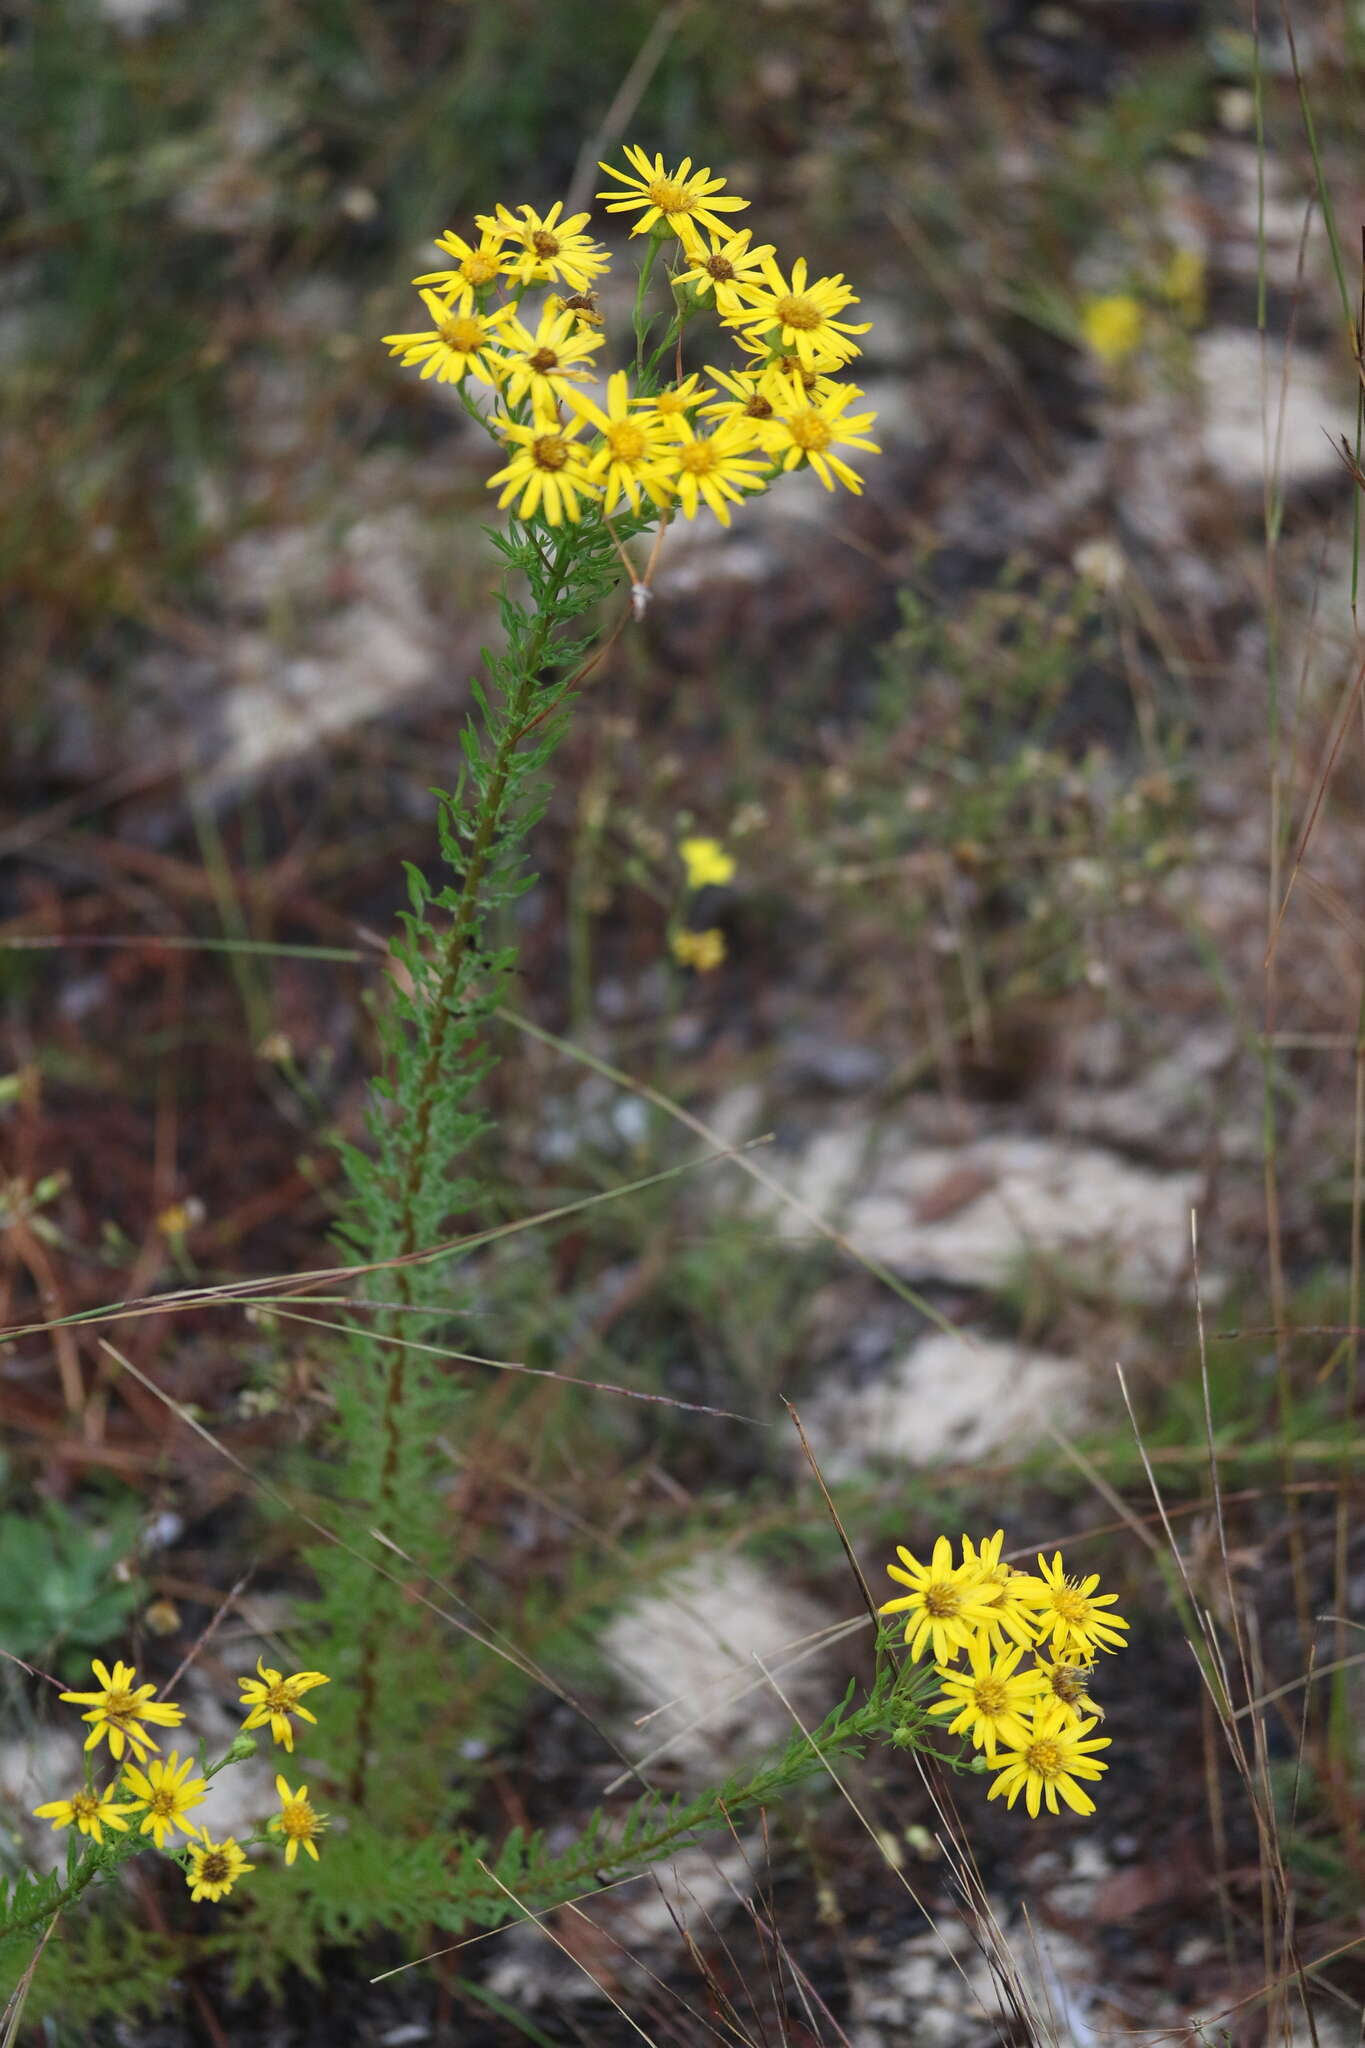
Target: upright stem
[464, 928]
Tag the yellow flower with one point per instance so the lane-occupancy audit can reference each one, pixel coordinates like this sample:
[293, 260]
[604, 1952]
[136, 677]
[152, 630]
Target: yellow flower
[677, 198]
[215, 1868]
[273, 1698]
[583, 305]
[720, 264]
[296, 1821]
[167, 1791]
[478, 264]
[1050, 1761]
[944, 1606]
[746, 401]
[701, 951]
[1112, 326]
[775, 367]
[675, 405]
[992, 1700]
[719, 466]
[803, 314]
[1002, 1585]
[117, 1710]
[706, 862]
[91, 1811]
[546, 249]
[548, 363]
[637, 451]
[455, 344]
[1067, 1682]
[1068, 1612]
[808, 430]
[547, 471]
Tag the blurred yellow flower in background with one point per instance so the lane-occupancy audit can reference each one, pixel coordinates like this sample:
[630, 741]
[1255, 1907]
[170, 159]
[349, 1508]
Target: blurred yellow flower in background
[706, 862]
[1112, 326]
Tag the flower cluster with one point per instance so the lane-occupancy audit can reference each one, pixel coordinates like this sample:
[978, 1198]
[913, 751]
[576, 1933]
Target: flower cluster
[1033, 1724]
[780, 406]
[163, 1790]
[706, 865]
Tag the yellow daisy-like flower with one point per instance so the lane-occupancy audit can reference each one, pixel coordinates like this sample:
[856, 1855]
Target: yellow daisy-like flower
[993, 1699]
[675, 405]
[545, 249]
[548, 471]
[1011, 1614]
[1049, 1762]
[777, 367]
[455, 344]
[297, 1821]
[637, 452]
[272, 1697]
[677, 198]
[168, 1792]
[809, 430]
[701, 951]
[944, 1606]
[717, 469]
[92, 1812]
[118, 1709]
[803, 313]
[1112, 326]
[548, 363]
[721, 263]
[583, 305]
[1068, 1612]
[747, 401]
[477, 265]
[1067, 1682]
[215, 1868]
[706, 862]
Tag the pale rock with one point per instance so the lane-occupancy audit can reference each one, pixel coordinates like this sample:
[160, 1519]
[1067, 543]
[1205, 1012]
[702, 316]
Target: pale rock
[686, 1654]
[977, 1215]
[949, 1400]
[1280, 419]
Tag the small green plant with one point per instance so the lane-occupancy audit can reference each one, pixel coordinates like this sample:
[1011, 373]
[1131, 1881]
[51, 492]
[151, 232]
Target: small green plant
[58, 1584]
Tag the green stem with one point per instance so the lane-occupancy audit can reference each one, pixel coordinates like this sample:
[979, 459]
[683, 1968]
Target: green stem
[464, 927]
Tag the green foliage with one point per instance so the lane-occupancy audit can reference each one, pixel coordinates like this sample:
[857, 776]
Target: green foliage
[57, 1588]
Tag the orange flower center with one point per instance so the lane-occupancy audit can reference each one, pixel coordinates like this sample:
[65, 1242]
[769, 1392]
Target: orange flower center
[1071, 1605]
[626, 441]
[990, 1695]
[1045, 1758]
[808, 430]
[464, 335]
[299, 1820]
[698, 458]
[668, 196]
[801, 312]
[941, 1600]
[549, 451]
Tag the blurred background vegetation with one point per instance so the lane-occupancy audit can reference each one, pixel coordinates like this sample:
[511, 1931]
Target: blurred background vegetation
[1026, 758]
